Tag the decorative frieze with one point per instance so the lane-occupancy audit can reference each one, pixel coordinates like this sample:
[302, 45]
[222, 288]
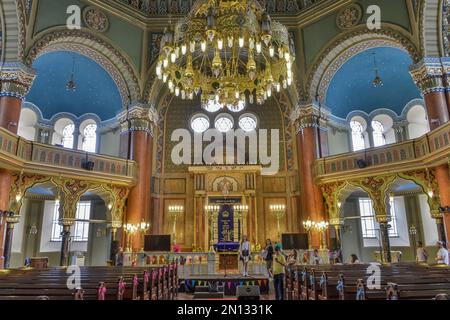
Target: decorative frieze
[139, 117]
[309, 116]
[429, 75]
[15, 79]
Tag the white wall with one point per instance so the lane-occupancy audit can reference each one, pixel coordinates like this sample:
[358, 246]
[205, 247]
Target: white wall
[110, 143]
[429, 224]
[19, 229]
[338, 142]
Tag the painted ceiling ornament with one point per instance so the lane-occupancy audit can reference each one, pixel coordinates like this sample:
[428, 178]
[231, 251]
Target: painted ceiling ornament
[96, 19]
[349, 17]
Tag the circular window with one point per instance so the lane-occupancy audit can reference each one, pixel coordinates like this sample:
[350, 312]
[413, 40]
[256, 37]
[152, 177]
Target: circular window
[224, 123]
[200, 123]
[247, 122]
[212, 106]
[236, 108]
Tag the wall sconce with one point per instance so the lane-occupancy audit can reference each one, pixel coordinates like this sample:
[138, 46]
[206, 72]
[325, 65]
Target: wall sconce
[33, 230]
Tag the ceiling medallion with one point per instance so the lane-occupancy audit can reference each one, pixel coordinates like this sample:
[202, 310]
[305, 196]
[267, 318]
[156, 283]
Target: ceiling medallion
[349, 17]
[227, 52]
[95, 19]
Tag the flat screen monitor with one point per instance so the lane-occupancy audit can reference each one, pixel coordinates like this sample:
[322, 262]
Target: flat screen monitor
[296, 241]
[157, 243]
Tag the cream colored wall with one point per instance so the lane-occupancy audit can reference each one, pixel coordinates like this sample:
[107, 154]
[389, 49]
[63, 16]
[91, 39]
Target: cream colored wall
[109, 143]
[338, 141]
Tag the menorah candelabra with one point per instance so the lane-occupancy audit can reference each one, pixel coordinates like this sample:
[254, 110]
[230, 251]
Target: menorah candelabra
[175, 212]
[278, 211]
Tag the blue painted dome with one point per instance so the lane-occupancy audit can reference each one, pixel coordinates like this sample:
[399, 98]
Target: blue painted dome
[351, 88]
[96, 92]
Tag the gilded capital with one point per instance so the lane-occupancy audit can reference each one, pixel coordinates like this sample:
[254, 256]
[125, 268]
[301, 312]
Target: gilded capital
[116, 224]
[429, 75]
[139, 117]
[66, 222]
[15, 79]
[309, 115]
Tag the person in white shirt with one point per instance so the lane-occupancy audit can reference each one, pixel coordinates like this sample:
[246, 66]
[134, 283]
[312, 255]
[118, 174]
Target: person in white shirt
[421, 253]
[442, 254]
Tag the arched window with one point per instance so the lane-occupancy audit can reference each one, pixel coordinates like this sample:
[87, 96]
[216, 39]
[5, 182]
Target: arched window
[378, 134]
[248, 122]
[90, 138]
[67, 136]
[224, 122]
[357, 136]
[199, 123]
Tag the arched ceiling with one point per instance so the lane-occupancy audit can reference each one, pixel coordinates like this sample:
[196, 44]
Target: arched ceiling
[351, 87]
[95, 91]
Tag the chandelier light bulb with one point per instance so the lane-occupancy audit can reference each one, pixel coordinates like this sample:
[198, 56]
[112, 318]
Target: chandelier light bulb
[220, 44]
[289, 81]
[287, 56]
[165, 76]
[177, 91]
[166, 63]
[237, 94]
[271, 51]
[183, 49]
[250, 98]
[158, 69]
[230, 42]
[192, 47]
[241, 42]
[278, 87]
[173, 57]
[284, 84]
[251, 43]
[183, 94]
[170, 84]
[203, 45]
[258, 47]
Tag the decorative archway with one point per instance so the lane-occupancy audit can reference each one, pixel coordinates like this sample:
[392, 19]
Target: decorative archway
[106, 55]
[346, 47]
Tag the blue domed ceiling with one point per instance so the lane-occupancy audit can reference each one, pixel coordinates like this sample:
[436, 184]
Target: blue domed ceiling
[96, 92]
[351, 88]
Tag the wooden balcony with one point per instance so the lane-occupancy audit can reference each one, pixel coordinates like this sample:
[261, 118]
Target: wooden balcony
[18, 154]
[430, 150]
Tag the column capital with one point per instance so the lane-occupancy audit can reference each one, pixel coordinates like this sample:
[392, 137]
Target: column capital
[66, 222]
[309, 115]
[15, 79]
[139, 117]
[116, 224]
[12, 218]
[428, 75]
[334, 221]
[383, 218]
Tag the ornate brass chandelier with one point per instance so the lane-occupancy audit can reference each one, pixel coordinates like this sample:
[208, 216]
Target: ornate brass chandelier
[228, 52]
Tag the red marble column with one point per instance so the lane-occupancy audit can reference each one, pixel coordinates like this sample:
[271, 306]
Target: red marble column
[432, 77]
[9, 119]
[309, 144]
[136, 144]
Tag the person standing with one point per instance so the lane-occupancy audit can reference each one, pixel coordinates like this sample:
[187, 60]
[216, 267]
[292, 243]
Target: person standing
[119, 257]
[244, 254]
[442, 254]
[421, 253]
[268, 257]
[279, 263]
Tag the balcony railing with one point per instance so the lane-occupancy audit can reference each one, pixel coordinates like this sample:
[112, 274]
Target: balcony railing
[18, 152]
[420, 152]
